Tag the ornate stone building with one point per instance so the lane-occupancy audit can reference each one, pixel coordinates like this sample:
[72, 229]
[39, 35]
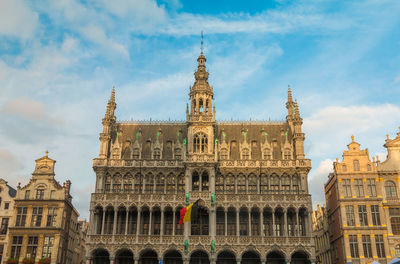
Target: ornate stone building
[250, 177]
[321, 236]
[7, 194]
[44, 224]
[363, 205]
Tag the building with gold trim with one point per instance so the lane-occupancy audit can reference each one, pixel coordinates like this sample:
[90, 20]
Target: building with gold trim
[321, 236]
[7, 194]
[363, 205]
[250, 178]
[44, 224]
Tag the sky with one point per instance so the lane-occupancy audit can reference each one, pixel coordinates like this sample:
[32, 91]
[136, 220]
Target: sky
[60, 59]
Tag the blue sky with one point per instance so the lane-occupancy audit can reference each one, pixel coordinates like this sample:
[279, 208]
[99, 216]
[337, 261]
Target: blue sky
[60, 59]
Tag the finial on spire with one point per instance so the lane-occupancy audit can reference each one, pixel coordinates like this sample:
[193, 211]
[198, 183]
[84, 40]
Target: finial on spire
[290, 99]
[112, 98]
[202, 42]
[47, 153]
[352, 138]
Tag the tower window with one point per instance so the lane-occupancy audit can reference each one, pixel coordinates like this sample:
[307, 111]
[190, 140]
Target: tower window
[200, 106]
[200, 143]
[157, 154]
[245, 154]
[356, 165]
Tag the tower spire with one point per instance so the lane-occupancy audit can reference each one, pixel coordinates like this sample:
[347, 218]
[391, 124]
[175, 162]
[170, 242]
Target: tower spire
[290, 99]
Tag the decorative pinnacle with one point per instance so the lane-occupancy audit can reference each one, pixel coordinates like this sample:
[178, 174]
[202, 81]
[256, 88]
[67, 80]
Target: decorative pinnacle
[112, 98]
[352, 138]
[46, 153]
[290, 99]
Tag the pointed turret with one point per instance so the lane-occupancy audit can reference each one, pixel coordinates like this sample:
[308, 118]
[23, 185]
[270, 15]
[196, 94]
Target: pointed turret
[108, 122]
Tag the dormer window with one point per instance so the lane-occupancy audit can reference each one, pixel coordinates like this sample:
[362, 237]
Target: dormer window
[245, 154]
[27, 194]
[356, 165]
[157, 154]
[200, 143]
[39, 194]
[135, 154]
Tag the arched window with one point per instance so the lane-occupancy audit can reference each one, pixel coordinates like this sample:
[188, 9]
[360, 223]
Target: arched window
[200, 106]
[136, 153]
[285, 185]
[40, 193]
[200, 143]
[241, 184]
[224, 154]
[287, 155]
[149, 183]
[107, 185]
[160, 183]
[117, 180]
[295, 184]
[274, 183]
[178, 154]
[128, 179]
[219, 184]
[252, 184]
[194, 107]
[264, 183]
[267, 154]
[204, 181]
[138, 183]
[368, 167]
[181, 183]
[356, 165]
[245, 154]
[230, 184]
[171, 181]
[390, 188]
[195, 181]
[157, 154]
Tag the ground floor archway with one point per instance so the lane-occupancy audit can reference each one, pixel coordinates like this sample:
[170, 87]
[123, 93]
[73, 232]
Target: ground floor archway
[148, 257]
[226, 257]
[299, 258]
[124, 256]
[275, 257]
[250, 257]
[199, 257]
[100, 256]
[173, 257]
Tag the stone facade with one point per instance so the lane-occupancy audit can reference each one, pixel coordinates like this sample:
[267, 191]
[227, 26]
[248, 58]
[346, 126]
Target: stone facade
[250, 179]
[363, 206]
[44, 224]
[321, 236]
[7, 194]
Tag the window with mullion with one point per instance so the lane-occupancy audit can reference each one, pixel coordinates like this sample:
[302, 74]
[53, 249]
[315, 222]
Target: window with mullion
[362, 213]
[36, 216]
[366, 240]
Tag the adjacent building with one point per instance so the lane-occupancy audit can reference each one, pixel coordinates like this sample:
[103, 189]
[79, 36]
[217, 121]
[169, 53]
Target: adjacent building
[44, 225]
[7, 194]
[363, 205]
[250, 178]
[321, 236]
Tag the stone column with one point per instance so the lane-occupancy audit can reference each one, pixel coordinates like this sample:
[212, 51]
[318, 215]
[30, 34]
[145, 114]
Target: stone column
[212, 222]
[103, 221]
[173, 221]
[249, 234]
[126, 221]
[115, 222]
[150, 222]
[273, 222]
[226, 221]
[139, 210]
[285, 223]
[298, 223]
[237, 223]
[162, 222]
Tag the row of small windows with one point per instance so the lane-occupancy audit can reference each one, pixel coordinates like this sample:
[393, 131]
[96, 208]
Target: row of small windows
[155, 154]
[31, 247]
[356, 166]
[257, 183]
[358, 187]
[37, 214]
[245, 154]
[366, 247]
[39, 194]
[363, 215]
[144, 183]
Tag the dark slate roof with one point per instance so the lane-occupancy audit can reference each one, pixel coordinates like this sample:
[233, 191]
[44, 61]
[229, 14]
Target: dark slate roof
[11, 191]
[234, 130]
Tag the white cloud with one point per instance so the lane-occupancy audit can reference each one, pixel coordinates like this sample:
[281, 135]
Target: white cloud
[17, 19]
[317, 178]
[26, 108]
[9, 163]
[97, 35]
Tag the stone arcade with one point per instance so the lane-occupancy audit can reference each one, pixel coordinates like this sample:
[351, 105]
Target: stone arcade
[250, 177]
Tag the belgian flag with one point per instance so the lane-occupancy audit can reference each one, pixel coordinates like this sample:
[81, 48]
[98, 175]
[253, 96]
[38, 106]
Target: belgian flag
[189, 213]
